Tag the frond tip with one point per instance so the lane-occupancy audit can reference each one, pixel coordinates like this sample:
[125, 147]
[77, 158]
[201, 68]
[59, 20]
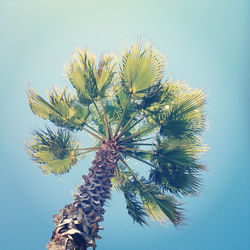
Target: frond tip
[53, 152]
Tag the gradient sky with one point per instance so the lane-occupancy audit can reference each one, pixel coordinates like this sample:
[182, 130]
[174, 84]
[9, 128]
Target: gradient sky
[205, 43]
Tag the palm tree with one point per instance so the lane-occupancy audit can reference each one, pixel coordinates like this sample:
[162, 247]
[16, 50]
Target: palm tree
[134, 114]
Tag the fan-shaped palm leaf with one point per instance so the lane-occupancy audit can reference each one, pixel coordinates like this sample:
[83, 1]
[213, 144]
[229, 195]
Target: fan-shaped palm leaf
[123, 181]
[176, 179]
[62, 109]
[53, 152]
[89, 80]
[175, 166]
[179, 152]
[159, 206]
[141, 68]
[184, 117]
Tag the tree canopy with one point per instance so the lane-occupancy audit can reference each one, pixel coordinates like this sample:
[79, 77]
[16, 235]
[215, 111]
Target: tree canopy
[153, 119]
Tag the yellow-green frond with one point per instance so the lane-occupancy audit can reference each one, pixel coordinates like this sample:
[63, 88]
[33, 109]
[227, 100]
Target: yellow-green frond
[53, 152]
[61, 109]
[90, 80]
[161, 207]
[141, 67]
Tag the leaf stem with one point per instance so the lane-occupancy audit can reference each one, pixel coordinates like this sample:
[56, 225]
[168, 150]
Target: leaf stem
[139, 159]
[83, 153]
[122, 116]
[98, 111]
[137, 144]
[136, 134]
[92, 148]
[135, 149]
[127, 124]
[131, 171]
[94, 130]
[105, 119]
[101, 139]
[144, 139]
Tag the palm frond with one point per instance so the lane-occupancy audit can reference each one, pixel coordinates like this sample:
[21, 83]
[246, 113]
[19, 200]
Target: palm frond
[61, 109]
[122, 182]
[177, 109]
[176, 179]
[135, 208]
[176, 167]
[53, 152]
[141, 68]
[185, 117]
[181, 152]
[159, 206]
[81, 73]
[89, 80]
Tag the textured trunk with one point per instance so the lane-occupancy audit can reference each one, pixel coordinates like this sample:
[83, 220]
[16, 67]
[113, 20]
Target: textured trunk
[78, 223]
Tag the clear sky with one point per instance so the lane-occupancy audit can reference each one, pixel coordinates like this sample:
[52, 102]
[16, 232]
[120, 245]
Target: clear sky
[205, 43]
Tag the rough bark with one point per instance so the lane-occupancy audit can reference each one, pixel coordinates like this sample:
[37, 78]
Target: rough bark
[77, 225]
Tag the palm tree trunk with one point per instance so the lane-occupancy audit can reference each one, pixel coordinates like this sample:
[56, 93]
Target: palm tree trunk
[77, 224]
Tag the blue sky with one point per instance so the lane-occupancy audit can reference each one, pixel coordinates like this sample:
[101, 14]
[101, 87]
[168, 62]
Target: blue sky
[205, 43]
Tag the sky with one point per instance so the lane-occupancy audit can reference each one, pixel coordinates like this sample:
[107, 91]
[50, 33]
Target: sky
[205, 44]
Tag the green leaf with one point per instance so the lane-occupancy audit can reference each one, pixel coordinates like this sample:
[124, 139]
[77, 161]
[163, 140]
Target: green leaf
[176, 179]
[123, 182]
[160, 206]
[185, 117]
[62, 109]
[182, 152]
[141, 68]
[176, 166]
[56, 167]
[81, 75]
[53, 152]
[88, 80]
[135, 208]
[123, 97]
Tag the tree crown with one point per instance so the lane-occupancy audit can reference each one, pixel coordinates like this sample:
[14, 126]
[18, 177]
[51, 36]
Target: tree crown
[154, 120]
